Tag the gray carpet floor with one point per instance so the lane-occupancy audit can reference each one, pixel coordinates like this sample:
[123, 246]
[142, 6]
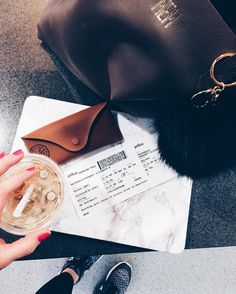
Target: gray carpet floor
[204, 271]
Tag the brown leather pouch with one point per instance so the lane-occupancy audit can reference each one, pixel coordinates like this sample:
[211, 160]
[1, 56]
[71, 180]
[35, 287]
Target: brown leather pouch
[76, 134]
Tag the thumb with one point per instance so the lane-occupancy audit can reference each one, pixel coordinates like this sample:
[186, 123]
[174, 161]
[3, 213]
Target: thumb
[23, 246]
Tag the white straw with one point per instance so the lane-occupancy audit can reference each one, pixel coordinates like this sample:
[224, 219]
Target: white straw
[21, 206]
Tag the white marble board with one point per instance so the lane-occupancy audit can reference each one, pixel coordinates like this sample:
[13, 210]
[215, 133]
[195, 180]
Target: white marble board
[156, 219]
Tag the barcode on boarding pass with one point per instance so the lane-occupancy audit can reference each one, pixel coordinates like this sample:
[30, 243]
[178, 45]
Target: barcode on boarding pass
[115, 158]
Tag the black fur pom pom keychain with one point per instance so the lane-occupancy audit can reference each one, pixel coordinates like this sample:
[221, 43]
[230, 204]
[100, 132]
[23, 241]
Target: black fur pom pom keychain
[199, 138]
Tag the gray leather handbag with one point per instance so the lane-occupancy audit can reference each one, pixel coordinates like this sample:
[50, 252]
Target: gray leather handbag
[150, 58]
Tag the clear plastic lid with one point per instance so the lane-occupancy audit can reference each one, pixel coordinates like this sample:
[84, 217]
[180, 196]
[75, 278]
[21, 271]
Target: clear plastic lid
[37, 202]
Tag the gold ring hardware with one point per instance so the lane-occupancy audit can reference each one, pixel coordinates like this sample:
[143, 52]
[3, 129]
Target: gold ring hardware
[197, 95]
[212, 70]
[212, 94]
[217, 90]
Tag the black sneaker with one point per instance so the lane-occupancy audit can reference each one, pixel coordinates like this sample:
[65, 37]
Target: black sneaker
[116, 281]
[81, 264]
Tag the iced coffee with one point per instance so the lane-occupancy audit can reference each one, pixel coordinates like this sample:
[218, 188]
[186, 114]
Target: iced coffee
[36, 203]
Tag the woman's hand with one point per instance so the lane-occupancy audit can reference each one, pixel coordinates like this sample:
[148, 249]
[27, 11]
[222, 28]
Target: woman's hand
[26, 245]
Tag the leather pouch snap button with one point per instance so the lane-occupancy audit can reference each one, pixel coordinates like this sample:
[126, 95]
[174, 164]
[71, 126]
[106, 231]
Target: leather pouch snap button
[76, 141]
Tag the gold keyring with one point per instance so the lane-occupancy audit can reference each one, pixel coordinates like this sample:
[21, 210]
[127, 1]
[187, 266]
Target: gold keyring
[200, 93]
[212, 70]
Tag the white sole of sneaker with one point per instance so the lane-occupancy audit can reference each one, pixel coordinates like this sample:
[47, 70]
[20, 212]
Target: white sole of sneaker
[115, 266]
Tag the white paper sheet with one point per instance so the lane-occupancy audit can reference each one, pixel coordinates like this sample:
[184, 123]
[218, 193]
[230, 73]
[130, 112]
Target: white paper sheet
[105, 178]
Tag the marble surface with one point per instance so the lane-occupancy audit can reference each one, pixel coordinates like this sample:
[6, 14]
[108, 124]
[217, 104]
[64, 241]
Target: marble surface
[156, 219]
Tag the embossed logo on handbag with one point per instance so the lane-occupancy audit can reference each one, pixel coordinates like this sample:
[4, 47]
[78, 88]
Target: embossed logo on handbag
[166, 11]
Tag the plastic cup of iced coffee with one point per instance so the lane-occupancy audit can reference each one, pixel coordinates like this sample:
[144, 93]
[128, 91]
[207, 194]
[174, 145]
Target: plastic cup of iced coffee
[37, 202]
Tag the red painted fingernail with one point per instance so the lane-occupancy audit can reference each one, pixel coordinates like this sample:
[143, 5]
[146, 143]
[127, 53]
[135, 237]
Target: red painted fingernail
[31, 169]
[18, 152]
[44, 236]
[3, 154]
